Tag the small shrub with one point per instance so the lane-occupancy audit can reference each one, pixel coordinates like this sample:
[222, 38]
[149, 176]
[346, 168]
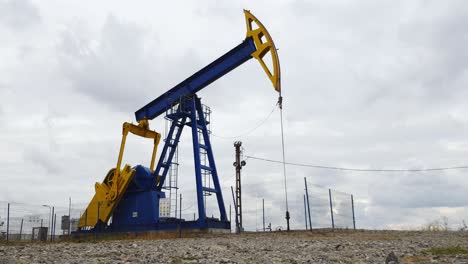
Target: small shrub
[439, 251]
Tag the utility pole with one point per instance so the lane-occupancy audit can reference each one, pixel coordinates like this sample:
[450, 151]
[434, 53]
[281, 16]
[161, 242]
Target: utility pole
[238, 164]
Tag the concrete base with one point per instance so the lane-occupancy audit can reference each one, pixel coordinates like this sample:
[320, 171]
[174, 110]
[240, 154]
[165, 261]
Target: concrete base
[153, 234]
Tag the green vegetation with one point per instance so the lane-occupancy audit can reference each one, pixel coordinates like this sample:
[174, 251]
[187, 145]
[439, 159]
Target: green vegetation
[440, 251]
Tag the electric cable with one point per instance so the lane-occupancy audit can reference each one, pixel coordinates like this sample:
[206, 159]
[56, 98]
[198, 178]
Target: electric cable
[248, 132]
[186, 208]
[360, 170]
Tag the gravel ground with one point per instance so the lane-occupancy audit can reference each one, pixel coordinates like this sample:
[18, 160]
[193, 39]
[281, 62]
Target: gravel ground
[276, 247]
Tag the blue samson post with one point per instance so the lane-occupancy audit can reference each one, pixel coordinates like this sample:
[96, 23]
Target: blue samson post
[186, 110]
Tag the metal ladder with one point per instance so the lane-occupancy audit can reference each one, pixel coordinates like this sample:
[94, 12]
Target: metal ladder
[168, 164]
[171, 185]
[206, 174]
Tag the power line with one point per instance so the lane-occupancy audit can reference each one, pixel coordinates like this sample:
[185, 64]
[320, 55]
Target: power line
[185, 209]
[248, 132]
[361, 170]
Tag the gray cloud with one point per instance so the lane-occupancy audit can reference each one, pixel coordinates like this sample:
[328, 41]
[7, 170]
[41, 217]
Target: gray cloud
[117, 70]
[42, 159]
[419, 191]
[19, 14]
[365, 85]
[125, 68]
[215, 10]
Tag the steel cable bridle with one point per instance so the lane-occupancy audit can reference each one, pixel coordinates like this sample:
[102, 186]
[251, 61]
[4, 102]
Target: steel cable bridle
[280, 104]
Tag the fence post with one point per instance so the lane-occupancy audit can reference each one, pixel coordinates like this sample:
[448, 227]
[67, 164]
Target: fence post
[305, 211]
[69, 215]
[180, 216]
[8, 222]
[263, 208]
[352, 207]
[21, 229]
[52, 223]
[55, 224]
[331, 208]
[308, 203]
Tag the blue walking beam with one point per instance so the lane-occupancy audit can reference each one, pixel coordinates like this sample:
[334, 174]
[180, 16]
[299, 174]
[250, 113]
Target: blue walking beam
[257, 44]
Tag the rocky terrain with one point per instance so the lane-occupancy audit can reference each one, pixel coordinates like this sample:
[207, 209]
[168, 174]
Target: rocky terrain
[323, 246]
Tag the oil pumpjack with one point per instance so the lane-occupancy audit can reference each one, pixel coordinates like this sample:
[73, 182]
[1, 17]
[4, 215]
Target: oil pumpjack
[130, 196]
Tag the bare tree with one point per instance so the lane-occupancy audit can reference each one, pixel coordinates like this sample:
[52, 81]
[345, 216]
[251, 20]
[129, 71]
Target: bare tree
[464, 227]
[445, 223]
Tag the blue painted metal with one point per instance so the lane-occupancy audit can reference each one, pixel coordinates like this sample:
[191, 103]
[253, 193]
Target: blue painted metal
[172, 140]
[143, 179]
[199, 80]
[139, 207]
[197, 163]
[211, 161]
[191, 107]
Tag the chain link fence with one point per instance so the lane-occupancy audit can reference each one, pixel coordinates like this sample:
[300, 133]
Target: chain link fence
[27, 222]
[327, 208]
[317, 207]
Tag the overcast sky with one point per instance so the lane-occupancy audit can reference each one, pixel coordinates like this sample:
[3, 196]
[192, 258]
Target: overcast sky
[366, 84]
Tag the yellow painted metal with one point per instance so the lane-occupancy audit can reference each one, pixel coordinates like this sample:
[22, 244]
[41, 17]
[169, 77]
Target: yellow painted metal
[142, 130]
[102, 205]
[264, 44]
[110, 191]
